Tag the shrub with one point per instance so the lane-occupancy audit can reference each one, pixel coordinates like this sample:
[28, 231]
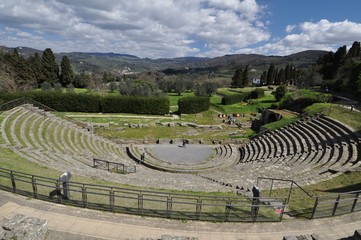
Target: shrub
[231, 99]
[280, 92]
[139, 105]
[72, 102]
[257, 93]
[193, 104]
[235, 98]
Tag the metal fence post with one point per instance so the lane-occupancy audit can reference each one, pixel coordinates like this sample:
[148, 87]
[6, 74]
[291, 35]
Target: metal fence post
[59, 197]
[84, 196]
[199, 208]
[314, 208]
[289, 193]
[140, 203]
[270, 191]
[111, 199]
[336, 204]
[169, 206]
[35, 187]
[283, 209]
[355, 202]
[227, 210]
[13, 183]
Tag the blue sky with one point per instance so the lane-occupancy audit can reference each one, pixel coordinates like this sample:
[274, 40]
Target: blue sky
[178, 28]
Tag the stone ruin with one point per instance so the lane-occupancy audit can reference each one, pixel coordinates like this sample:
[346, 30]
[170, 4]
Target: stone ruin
[21, 227]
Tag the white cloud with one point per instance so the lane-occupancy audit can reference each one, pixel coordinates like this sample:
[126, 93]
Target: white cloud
[322, 35]
[290, 28]
[145, 28]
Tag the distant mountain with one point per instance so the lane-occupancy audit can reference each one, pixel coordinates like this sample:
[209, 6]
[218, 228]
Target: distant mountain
[100, 54]
[116, 62]
[25, 51]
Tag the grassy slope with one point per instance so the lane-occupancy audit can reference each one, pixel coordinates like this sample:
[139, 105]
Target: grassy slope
[348, 117]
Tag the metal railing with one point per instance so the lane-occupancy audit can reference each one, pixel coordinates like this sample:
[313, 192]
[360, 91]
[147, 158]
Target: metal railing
[327, 205]
[291, 182]
[113, 166]
[144, 202]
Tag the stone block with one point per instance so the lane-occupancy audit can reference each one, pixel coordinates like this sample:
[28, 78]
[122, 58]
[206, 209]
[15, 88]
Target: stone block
[24, 228]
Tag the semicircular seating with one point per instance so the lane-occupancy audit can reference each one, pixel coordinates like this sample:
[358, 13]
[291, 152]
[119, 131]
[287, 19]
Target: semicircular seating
[42, 137]
[319, 144]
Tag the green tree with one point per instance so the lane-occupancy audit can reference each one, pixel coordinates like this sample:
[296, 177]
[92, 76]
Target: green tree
[7, 79]
[23, 75]
[50, 67]
[237, 78]
[281, 77]
[354, 50]
[113, 86]
[67, 74]
[210, 87]
[245, 79]
[81, 80]
[263, 77]
[36, 66]
[270, 74]
[280, 92]
[179, 86]
[359, 84]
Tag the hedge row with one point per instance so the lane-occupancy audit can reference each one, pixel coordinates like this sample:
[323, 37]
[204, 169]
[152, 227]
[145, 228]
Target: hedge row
[257, 93]
[73, 102]
[193, 104]
[234, 98]
[142, 105]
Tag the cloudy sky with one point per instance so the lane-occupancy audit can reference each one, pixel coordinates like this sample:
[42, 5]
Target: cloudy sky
[178, 28]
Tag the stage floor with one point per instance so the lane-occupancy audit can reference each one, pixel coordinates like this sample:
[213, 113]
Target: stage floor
[176, 153]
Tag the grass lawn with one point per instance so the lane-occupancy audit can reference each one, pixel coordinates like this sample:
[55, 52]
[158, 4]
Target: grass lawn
[251, 106]
[299, 200]
[348, 117]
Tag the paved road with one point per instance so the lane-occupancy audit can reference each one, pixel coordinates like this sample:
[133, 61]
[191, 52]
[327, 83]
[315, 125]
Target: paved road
[67, 222]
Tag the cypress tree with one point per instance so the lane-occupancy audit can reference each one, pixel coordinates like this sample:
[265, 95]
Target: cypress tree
[271, 74]
[244, 82]
[50, 67]
[237, 78]
[36, 66]
[67, 74]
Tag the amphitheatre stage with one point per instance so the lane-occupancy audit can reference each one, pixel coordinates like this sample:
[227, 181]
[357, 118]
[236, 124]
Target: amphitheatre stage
[178, 153]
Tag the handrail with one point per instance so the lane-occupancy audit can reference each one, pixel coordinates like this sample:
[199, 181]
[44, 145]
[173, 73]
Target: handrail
[129, 189]
[287, 180]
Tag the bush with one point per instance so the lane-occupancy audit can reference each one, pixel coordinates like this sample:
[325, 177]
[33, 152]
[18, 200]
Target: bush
[193, 104]
[72, 102]
[139, 105]
[280, 92]
[231, 99]
[235, 98]
[257, 93]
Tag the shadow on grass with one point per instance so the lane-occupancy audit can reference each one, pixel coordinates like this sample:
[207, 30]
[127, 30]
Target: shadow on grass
[349, 188]
[268, 101]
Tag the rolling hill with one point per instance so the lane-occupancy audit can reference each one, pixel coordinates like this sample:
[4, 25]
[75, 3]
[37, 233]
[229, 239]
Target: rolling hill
[116, 62]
